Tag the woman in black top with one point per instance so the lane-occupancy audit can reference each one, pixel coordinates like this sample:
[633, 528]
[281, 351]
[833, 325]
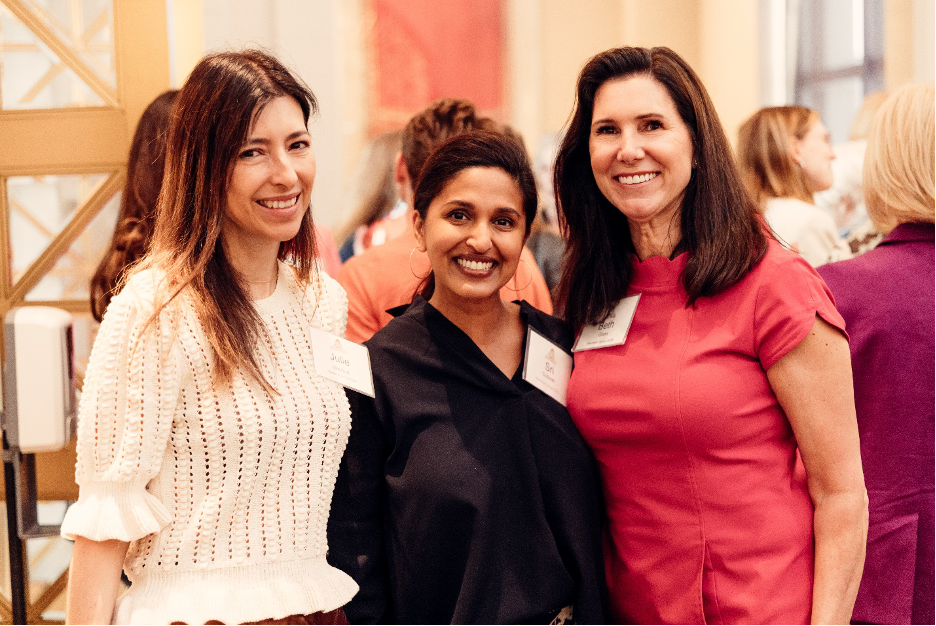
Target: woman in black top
[466, 495]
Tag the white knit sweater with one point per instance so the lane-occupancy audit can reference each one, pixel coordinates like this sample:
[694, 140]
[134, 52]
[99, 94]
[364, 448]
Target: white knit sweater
[224, 491]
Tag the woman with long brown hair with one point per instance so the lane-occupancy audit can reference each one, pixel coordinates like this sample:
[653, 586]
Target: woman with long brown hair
[707, 356]
[145, 167]
[207, 443]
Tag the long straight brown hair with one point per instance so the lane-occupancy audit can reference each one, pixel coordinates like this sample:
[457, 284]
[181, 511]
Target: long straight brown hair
[720, 226]
[211, 120]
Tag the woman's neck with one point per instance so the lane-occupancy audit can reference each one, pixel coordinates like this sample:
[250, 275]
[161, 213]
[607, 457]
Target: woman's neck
[481, 320]
[655, 239]
[257, 270]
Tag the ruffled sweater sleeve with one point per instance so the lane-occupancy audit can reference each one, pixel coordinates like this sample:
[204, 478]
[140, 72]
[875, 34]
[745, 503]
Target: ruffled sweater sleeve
[128, 402]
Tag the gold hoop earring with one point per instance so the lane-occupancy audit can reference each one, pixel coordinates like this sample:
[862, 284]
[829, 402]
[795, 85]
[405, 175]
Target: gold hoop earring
[411, 266]
[528, 282]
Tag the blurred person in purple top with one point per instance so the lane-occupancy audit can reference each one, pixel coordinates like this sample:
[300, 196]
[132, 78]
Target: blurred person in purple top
[887, 299]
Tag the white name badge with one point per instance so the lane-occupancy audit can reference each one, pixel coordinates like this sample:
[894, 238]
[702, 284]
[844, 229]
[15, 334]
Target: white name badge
[612, 331]
[345, 362]
[547, 366]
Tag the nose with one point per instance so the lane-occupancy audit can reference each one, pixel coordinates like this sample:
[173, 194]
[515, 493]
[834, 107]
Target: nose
[283, 172]
[630, 148]
[479, 239]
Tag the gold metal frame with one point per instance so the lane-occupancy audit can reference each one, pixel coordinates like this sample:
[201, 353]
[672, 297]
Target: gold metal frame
[63, 51]
[77, 141]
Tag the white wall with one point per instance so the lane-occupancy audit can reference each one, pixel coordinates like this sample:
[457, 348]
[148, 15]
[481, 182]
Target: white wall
[548, 41]
[308, 38]
[924, 36]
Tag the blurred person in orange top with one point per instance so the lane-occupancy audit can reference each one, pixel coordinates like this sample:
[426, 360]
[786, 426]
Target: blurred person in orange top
[388, 276]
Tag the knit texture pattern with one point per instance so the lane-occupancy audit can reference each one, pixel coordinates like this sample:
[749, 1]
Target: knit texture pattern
[223, 490]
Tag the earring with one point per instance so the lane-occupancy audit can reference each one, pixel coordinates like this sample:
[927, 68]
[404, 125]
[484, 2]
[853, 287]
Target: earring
[411, 266]
[517, 272]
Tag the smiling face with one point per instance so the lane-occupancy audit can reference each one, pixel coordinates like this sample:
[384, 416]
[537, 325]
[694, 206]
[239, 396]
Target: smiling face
[640, 149]
[473, 232]
[814, 154]
[271, 181]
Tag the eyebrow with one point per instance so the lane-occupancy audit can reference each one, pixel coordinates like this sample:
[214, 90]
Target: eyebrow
[253, 141]
[507, 209]
[468, 205]
[645, 116]
[460, 203]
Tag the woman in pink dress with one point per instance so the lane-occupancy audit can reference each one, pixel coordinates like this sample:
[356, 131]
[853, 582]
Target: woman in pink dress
[700, 402]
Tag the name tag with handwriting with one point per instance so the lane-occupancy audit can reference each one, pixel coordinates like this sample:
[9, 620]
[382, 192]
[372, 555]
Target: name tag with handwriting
[345, 362]
[612, 331]
[547, 366]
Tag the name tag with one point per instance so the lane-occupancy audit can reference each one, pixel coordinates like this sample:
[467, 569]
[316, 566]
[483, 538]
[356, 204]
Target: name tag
[547, 366]
[345, 362]
[612, 331]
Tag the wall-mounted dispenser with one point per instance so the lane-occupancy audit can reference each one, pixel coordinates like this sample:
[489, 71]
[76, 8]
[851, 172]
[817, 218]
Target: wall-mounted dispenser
[38, 379]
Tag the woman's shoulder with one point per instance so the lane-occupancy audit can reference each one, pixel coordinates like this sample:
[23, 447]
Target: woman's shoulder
[321, 297]
[779, 261]
[408, 327]
[140, 291]
[320, 285]
[551, 327]
[789, 204]
[785, 212]
[780, 271]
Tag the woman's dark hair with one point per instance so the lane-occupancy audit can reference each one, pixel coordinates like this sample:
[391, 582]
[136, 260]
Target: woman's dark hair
[134, 229]
[720, 226]
[213, 114]
[478, 148]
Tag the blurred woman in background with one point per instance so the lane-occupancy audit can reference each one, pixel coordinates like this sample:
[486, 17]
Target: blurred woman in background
[785, 156]
[375, 194]
[886, 297]
[145, 166]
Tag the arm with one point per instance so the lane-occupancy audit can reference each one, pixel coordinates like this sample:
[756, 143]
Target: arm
[94, 580]
[813, 383]
[124, 420]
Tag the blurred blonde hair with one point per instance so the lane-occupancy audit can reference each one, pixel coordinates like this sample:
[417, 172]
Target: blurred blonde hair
[899, 164]
[765, 153]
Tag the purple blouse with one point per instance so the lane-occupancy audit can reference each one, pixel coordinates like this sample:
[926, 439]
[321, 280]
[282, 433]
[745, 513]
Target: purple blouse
[887, 299]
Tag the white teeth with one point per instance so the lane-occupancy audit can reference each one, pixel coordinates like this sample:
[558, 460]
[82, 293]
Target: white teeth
[640, 178]
[477, 266]
[278, 204]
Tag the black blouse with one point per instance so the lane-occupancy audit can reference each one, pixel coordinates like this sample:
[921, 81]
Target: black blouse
[464, 496]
